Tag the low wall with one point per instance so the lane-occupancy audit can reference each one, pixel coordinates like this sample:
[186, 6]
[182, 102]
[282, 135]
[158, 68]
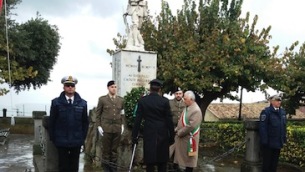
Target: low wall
[23, 125]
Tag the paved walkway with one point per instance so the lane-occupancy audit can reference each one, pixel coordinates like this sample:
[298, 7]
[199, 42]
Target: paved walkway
[16, 155]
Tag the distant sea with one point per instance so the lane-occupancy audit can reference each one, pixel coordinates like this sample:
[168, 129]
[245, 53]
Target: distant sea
[27, 109]
[24, 109]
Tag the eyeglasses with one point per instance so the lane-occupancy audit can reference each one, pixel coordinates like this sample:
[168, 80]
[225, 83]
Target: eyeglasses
[70, 85]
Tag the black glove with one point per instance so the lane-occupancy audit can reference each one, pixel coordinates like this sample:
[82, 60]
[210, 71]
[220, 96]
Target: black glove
[132, 146]
[134, 141]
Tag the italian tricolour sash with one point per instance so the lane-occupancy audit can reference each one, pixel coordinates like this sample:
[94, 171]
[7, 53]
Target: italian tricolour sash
[192, 142]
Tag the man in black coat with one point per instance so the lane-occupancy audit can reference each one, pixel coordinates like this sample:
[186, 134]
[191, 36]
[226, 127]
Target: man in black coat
[68, 125]
[272, 130]
[158, 131]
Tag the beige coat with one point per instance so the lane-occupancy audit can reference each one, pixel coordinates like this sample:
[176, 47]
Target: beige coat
[182, 138]
[177, 108]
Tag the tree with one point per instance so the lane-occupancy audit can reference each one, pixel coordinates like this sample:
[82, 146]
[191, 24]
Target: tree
[290, 77]
[120, 42]
[210, 49]
[34, 46]
[37, 46]
[19, 72]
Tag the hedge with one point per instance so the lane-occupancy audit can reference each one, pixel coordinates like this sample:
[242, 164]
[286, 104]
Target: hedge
[227, 135]
[294, 150]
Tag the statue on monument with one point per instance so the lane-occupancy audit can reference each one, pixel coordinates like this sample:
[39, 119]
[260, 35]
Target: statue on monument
[137, 10]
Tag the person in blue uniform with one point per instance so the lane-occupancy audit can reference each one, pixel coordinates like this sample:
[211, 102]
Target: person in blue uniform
[158, 129]
[272, 131]
[68, 125]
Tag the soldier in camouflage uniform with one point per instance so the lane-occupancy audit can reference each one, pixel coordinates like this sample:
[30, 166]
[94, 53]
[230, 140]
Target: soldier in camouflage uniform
[110, 116]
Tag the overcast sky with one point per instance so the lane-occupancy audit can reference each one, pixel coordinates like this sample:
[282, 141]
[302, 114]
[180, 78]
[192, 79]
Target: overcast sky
[87, 28]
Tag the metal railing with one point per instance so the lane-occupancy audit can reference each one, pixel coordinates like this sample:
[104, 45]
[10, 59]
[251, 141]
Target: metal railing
[230, 151]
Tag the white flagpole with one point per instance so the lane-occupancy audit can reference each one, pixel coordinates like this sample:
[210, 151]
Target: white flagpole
[8, 59]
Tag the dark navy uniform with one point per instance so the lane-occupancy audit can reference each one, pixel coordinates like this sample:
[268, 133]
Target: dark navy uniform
[272, 130]
[68, 125]
[68, 122]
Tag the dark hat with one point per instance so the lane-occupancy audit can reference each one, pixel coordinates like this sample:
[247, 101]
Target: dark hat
[69, 80]
[156, 82]
[110, 83]
[275, 97]
[177, 89]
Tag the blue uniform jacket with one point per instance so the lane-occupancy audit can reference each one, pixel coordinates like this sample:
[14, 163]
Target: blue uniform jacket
[272, 127]
[68, 124]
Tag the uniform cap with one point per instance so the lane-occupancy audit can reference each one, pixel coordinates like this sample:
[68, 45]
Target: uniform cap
[275, 97]
[110, 83]
[69, 80]
[156, 82]
[177, 89]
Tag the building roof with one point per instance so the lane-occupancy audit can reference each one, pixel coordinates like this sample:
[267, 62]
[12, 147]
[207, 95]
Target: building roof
[249, 110]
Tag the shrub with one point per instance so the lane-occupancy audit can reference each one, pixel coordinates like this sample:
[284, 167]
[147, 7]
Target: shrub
[227, 135]
[130, 102]
[294, 149]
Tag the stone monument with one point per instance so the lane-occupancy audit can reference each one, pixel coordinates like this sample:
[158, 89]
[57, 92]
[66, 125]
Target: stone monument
[132, 69]
[137, 10]
[133, 66]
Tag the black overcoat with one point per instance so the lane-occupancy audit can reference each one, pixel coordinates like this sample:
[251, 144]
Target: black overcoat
[158, 130]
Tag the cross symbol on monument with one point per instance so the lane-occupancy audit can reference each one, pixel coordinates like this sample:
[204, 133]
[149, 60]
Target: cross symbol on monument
[139, 64]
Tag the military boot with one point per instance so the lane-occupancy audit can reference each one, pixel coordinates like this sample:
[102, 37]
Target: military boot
[176, 168]
[106, 167]
[113, 166]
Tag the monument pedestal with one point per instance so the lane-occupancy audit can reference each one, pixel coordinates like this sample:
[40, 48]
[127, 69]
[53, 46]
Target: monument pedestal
[252, 161]
[38, 131]
[51, 155]
[132, 69]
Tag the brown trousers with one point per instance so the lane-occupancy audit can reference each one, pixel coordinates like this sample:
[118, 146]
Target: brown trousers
[110, 144]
